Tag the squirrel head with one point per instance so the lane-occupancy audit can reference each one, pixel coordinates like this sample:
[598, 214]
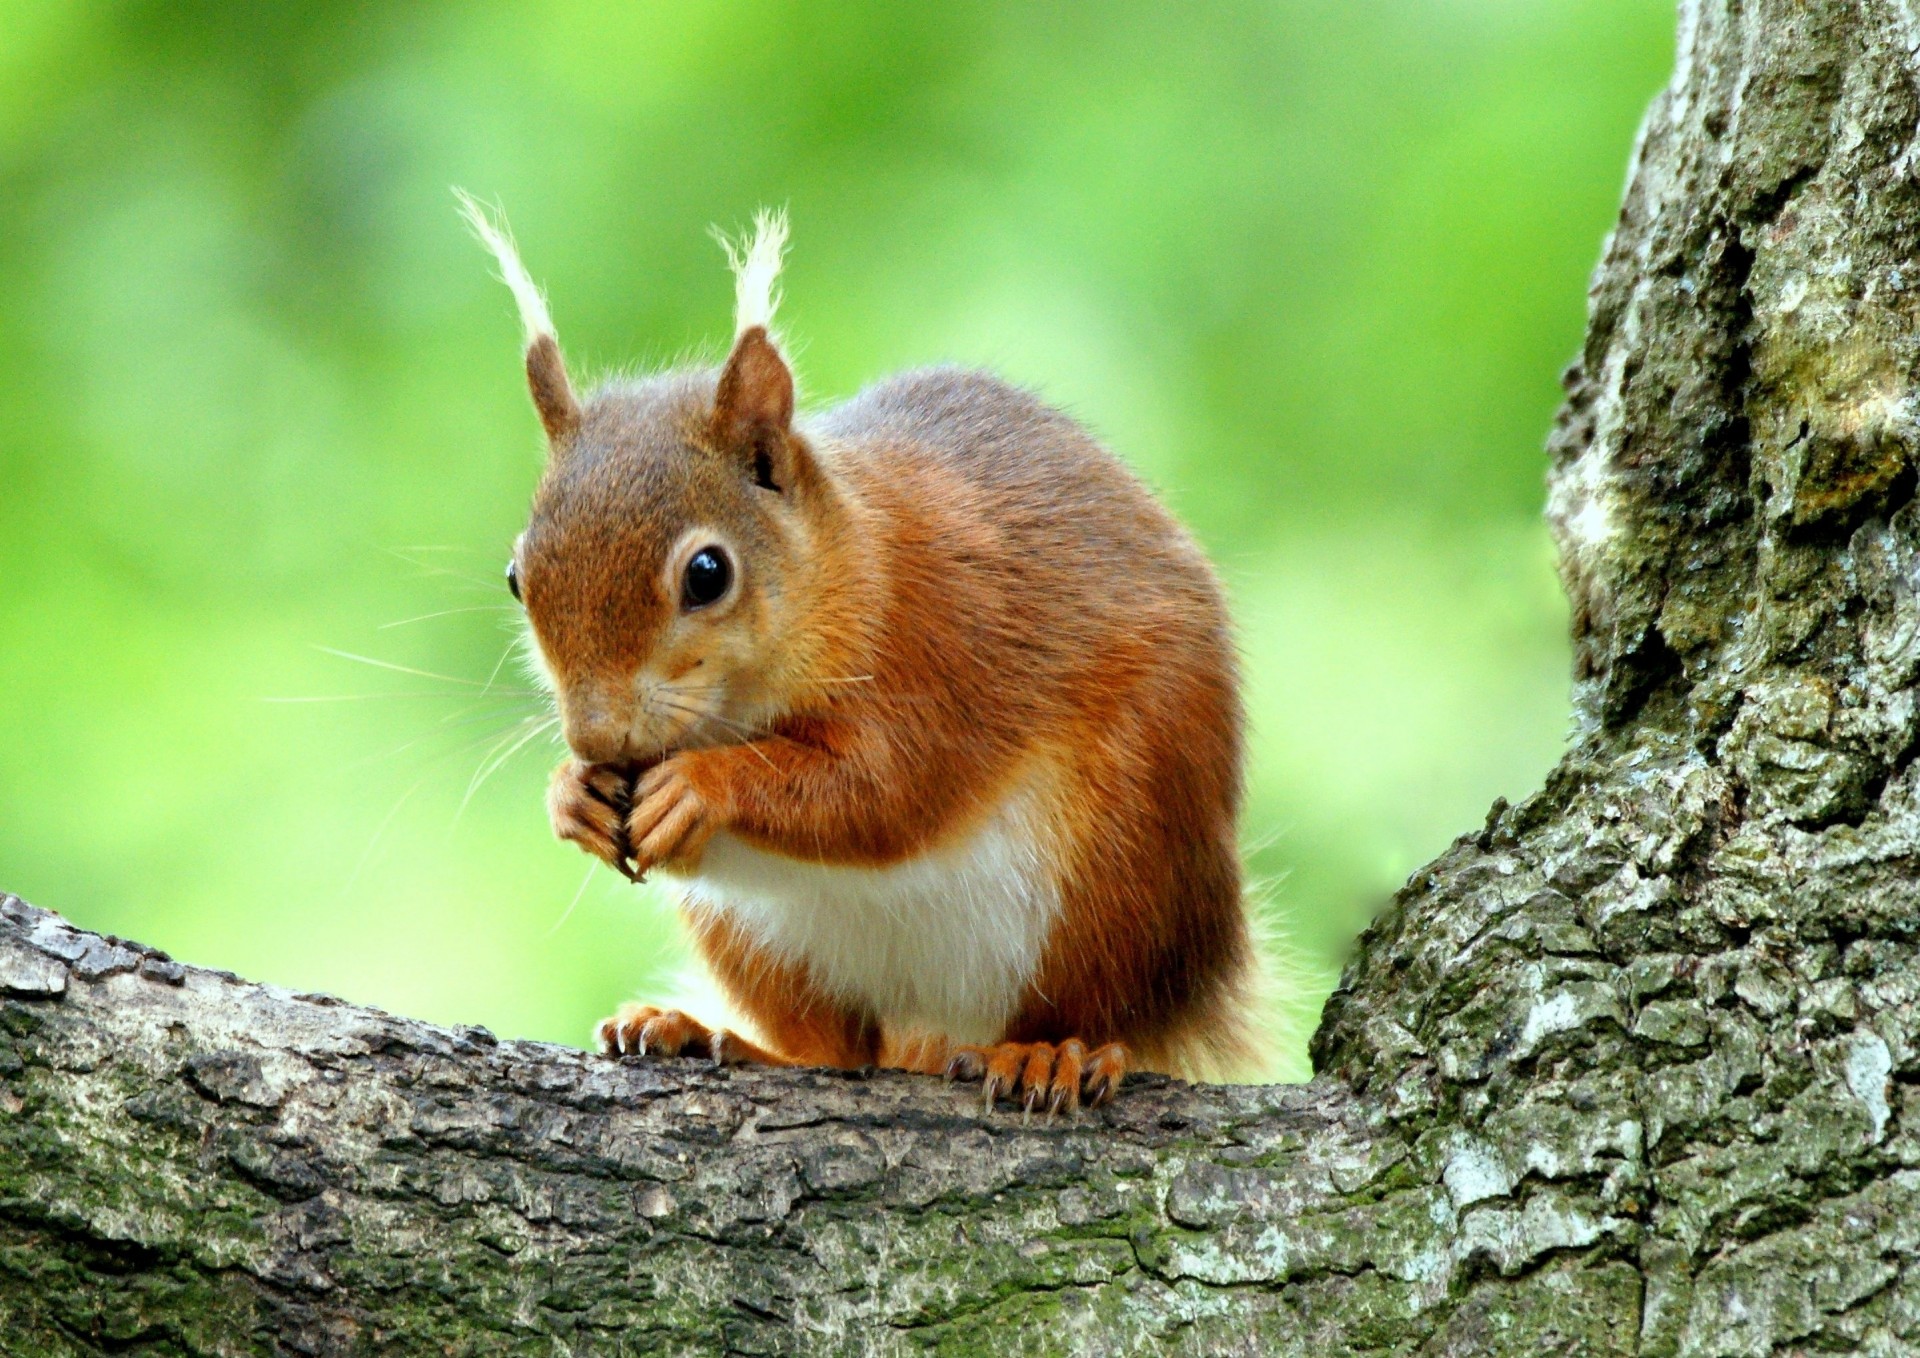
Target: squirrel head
[664, 565]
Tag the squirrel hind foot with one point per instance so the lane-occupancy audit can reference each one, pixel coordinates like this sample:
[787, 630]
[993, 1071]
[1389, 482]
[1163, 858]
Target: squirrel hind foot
[647, 1030]
[1044, 1077]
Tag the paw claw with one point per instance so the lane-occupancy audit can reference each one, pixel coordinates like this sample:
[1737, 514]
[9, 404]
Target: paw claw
[643, 1030]
[1106, 1068]
[1044, 1077]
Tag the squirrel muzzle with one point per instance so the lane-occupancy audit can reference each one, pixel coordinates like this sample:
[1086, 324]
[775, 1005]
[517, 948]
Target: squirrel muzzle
[596, 721]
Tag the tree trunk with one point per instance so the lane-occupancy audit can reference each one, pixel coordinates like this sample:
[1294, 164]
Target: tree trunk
[1634, 1069]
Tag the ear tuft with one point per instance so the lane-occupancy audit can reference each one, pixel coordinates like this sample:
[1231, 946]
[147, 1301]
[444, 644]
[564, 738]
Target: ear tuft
[756, 260]
[490, 229]
[553, 397]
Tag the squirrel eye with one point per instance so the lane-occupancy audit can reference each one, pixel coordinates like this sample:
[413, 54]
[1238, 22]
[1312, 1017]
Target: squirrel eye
[513, 578]
[708, 575]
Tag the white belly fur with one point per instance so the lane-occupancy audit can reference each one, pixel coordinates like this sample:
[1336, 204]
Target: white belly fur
[945, 943]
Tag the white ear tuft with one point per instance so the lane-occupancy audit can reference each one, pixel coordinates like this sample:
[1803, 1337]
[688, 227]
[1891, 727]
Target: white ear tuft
[756, 269]
[491, 229]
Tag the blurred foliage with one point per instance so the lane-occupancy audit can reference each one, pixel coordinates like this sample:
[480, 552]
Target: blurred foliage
[1312, 267]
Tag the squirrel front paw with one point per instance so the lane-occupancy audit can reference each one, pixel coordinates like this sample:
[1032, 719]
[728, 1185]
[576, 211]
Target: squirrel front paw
[671, 820]
[588, 804]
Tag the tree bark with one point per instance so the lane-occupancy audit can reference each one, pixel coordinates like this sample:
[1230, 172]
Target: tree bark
[1633, 1069]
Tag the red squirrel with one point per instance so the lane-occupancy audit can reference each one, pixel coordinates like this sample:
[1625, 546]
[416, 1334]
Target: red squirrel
[925, 702]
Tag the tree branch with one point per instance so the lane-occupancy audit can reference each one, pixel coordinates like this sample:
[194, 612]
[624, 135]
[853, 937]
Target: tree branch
[193, 1163]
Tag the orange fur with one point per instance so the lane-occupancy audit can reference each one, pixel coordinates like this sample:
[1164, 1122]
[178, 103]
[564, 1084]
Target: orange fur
[804, 1024]
[942, 587]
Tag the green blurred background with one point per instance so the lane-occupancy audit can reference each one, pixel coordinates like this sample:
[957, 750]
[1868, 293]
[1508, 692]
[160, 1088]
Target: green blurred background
[1312, 268]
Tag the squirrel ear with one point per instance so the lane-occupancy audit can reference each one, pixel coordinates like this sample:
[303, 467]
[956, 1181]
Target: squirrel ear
[753, 409]
[552, 393]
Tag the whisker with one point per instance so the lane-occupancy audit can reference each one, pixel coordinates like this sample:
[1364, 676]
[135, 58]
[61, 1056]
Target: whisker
[361, 697]
[500, 664]
[690, 710]
[496, 759]
[446, 724]
[430, 568]
[423, 674]
[753, 747]
[379, 833]
[746, 735]
[386, 821]
[487, 707]
[447, 613]
[708, 688]
[881, 697]
[466, 583]
[567, 914]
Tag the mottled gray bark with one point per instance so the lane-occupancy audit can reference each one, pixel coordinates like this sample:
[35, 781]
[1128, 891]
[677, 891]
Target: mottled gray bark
[1634, 1069]
[193, 1164]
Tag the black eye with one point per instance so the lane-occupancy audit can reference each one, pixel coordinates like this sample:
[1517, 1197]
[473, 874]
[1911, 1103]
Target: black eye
[708, 575]
[513, 578]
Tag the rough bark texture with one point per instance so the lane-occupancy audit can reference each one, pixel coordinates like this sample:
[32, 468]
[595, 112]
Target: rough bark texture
[1635, 1069]
[193, 1164]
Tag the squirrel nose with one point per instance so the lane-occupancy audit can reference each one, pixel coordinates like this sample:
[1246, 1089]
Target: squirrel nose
[595, 728]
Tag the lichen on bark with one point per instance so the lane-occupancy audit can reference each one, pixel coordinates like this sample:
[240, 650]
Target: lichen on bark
[1634, 1068]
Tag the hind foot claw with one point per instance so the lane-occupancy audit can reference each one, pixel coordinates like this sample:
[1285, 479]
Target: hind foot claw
[1045, 1077]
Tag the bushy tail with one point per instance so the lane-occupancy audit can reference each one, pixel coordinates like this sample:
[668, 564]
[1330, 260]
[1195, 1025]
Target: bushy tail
[1255, 1030]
